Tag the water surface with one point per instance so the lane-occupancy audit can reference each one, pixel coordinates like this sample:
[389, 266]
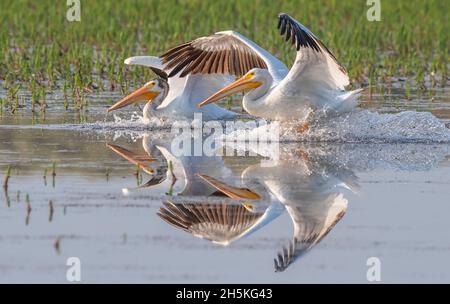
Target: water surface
[132, 211]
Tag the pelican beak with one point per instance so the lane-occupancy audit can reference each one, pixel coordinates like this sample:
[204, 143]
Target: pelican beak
[243, 84]
[230, 191]
[142, 94]
[143, 162]
[250, 207]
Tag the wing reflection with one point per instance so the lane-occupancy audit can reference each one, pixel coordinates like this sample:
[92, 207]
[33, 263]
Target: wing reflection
[221, 223]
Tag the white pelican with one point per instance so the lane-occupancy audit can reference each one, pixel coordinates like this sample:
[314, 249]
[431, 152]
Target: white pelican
[203, 211]
[172, 172]
[175, 97]
[316, 80]
[310, 190]
[180, 172]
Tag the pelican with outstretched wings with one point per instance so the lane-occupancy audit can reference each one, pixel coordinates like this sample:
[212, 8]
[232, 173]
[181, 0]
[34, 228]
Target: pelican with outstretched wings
[311, 190]
[316, 80]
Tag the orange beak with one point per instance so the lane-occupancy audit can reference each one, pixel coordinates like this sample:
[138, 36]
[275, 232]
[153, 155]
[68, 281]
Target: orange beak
[243, 84]
[230, 191]
[142, 94]
[142, 161]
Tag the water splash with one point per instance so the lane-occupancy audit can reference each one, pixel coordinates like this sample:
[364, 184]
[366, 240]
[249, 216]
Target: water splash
[367, 126]
[361, 126]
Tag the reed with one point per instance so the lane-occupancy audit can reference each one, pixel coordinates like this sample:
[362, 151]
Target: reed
[6, 179]
[54, 169]
[28, 214]
[50, 211]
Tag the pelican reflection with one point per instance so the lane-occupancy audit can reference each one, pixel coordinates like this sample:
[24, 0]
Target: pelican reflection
[213, 202]
[196, 205]
[224, 199]
[312, 192]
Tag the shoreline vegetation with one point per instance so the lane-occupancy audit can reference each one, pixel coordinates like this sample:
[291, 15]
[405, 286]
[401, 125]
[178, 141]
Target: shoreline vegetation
[42, 52]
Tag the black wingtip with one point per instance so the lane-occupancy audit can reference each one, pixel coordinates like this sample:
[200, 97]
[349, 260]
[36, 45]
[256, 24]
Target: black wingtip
[301, 37]
[282, 20]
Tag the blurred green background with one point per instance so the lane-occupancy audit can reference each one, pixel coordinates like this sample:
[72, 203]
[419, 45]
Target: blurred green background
[38, 44]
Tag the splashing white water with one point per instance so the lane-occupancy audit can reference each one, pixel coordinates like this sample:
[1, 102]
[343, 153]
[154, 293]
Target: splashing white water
[359, 126]
[355, 127]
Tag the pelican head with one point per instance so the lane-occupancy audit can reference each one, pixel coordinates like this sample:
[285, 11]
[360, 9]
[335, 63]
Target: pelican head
[155, 89]
[256, 81]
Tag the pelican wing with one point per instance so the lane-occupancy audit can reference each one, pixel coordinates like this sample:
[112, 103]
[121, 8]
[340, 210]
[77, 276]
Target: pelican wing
[176, 84]
[315, 66]
[225, 52]
[220, 223]
[154, 63]
[310, 227]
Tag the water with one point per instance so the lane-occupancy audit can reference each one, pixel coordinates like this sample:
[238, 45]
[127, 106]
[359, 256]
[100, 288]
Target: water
[375, 185]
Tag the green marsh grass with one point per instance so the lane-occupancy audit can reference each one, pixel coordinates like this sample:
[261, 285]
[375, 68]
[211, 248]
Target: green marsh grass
[28, 214]
[57, 245]
[43, 51]
[6, 179]
[5, 186]
[50, 211]
[53, 174]
[107, 174]
[53, 169]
